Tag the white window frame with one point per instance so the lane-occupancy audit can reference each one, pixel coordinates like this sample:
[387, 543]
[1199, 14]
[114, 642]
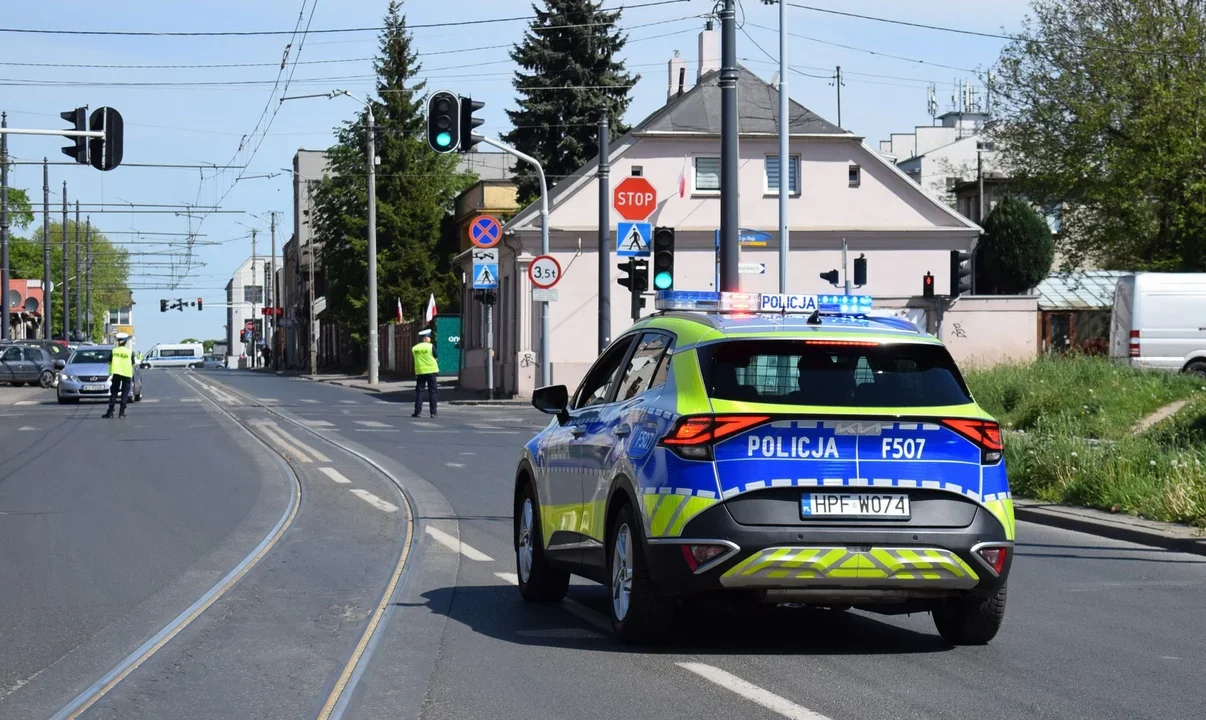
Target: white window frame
[774, 189]
[695, 189]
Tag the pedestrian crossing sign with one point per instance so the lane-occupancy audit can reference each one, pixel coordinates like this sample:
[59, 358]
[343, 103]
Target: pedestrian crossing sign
[633, 239]
[485, 276]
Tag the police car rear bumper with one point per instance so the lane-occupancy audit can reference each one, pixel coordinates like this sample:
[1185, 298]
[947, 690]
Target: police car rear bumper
[802, 562]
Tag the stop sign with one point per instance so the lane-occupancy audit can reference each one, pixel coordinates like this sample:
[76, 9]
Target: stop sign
[634, 198]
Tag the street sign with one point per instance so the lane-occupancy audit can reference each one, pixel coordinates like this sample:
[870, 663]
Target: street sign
[485, 231]
[544, 294]
[544, 272]
[485, 277]
[485, 256]
[748, 268]
[753, 238]
[633, 239]
[634, 198]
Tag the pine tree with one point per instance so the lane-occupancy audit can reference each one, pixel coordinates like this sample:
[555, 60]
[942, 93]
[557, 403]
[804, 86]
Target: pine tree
[415, 191]
[568, 70]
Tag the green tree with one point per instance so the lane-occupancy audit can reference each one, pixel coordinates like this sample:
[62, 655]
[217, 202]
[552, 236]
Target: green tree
[415, 192]
[189, 340]
[1104, 116]
[568, 71]
[1016, 251]
[20, 212]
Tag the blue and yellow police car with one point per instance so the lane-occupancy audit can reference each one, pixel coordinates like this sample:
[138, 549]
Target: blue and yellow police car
[774, 448]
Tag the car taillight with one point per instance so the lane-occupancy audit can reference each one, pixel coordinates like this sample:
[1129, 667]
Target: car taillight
[985, 433]
[1134, 350]
[692, 436]
[697, 555]
[995, 557]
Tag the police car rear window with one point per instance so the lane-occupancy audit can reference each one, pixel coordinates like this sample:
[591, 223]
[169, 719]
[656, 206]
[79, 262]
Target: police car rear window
[793, 372]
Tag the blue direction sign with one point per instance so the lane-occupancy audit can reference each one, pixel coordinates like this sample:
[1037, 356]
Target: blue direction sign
[633, 239]
[485, 231]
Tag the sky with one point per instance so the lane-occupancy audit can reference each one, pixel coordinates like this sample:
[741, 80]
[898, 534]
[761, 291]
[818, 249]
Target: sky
[234, 118]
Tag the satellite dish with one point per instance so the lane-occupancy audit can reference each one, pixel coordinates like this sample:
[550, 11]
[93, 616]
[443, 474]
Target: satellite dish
[14, 298]
[31, 304]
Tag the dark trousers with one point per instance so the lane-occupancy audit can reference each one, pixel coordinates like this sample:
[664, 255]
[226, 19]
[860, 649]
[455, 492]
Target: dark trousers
[430, 381]
[120, 384]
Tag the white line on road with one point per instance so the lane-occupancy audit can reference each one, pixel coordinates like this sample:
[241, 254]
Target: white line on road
[455, 545]
[26, 402]
[334, 475]
[424, 423]
[507, 577]
[308, 400]
[455, 465]
[26, 428]
[261, 399]
[145, 400]
[350, 402]
[317, 423]
[373, 500]
[282, 445]
[485, 427]
[371, 423]
[749, 691]
[190, 400]
[375, 430]
[298, 443]
[582, 612]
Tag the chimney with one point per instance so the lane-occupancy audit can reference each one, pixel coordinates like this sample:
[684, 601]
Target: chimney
[709, 50]
[677, 81]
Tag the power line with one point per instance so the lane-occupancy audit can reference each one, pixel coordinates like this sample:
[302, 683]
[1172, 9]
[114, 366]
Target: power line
[865, 50]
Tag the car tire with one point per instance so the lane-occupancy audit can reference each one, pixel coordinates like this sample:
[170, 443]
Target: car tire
[1196, 368]
[645, 617]
[971, 621]
[46, 379]
[539, 582]
[138, 397]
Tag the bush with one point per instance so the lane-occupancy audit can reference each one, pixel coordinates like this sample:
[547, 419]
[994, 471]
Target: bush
[1016, 251]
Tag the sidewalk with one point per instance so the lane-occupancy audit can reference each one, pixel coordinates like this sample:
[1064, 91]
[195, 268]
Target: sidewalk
[1180, 538]
[404, 389]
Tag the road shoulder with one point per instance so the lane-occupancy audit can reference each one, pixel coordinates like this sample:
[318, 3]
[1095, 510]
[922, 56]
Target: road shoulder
[1170, 536]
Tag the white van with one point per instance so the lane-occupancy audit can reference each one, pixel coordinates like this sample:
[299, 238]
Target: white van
[180, 355]
[1159, 321]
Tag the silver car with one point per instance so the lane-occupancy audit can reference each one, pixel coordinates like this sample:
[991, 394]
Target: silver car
[86, 375]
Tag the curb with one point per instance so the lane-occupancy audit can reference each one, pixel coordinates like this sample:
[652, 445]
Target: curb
[1179, 538]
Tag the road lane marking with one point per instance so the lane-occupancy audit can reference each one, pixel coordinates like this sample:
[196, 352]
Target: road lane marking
[571, 606]
[317, 423]
[371, 423]
[27, 402]
[373, 500]
[424, 423]
[350, 402]
[282, 445]
[455, 465]
[26, 428]
[334, 475]
[308, 400]
[484, 427]
[456, 545]
[751, 692]
[387, 430]
[260, 399]
[146, 400]
[508, 577]
[297, 443]
[190, 400]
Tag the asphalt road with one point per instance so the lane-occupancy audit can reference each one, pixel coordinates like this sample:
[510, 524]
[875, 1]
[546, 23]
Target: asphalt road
[109, 532]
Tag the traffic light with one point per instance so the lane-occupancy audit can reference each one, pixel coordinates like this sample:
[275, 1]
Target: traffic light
[443, 121]
[860, 270]
[78, 149]
[663, 258]
[199, 304]
[468, 122]
[162, 305]
[960, 273]
[927, 285]
[105, 153]
[636, 278]
[831, 277]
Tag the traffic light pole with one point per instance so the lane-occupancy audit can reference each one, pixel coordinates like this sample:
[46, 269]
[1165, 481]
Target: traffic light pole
[730, 248]
[66, 290]
[87, 279]
[604, 233]
[4, 226]
[845, 272]
[545, 375]
[372, 246]
[79, 290]
[47, 306]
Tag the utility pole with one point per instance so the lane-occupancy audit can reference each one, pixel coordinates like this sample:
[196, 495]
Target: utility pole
[47, 306]
[845, 272]
[837, 81]
[66, 273]
[79, 290]
[4, 227]
[88, 278]
[730, 248]
[313, 320]
[272, 287]
[372, 246]
[254, 278]
[604, 233]
[785, 163]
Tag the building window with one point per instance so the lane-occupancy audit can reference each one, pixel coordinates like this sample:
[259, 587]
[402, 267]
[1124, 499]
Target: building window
[119, 316]
[707, 174]
[856, 176]
[772, 174]
[638, 171]
[253, 293]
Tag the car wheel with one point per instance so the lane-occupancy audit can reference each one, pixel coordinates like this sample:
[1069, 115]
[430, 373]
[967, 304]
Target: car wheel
[46, 379]
[971, 621]
[1196, 368]
[638, 613]
[538, 581]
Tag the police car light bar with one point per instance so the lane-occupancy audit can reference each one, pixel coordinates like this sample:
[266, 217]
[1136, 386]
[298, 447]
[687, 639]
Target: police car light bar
[731, 302]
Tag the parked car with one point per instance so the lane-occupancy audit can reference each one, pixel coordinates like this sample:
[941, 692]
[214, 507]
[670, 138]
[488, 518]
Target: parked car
[1159, 322]
[86, 375]
[58, 349]
[26, 364]
[214, 362]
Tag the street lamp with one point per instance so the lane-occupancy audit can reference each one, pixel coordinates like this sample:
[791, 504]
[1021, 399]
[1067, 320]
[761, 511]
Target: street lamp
[372, 223]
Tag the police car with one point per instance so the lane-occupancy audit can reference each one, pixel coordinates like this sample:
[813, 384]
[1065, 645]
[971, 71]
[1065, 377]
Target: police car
[776, 448]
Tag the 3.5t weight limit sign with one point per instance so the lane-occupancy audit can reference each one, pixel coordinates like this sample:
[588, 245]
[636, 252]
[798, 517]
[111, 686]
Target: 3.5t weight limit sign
[544, 272]
[634, 198]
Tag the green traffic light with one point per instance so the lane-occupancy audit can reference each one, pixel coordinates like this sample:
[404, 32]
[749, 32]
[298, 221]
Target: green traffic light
[443, 139]
[663, 280]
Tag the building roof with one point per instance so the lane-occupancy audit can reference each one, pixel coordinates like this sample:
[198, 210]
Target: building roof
[698, 110]
[1079, 290]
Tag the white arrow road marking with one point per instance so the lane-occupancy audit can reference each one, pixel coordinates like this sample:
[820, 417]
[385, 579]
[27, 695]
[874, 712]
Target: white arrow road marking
[334, 475]
[749, 691]
[373, 500]
[455, 545]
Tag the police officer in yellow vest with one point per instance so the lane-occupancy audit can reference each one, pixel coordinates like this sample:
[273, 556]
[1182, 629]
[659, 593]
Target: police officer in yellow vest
[426, 370]
[121, 368]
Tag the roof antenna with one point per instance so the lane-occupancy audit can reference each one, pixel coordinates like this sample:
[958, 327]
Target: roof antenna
[815, 317]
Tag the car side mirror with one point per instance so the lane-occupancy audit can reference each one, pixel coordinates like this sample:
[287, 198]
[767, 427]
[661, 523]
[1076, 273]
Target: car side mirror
[60, 364]
[552, 400]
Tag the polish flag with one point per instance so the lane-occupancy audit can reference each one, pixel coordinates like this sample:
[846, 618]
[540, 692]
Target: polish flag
[399, 311]
[431, 310]
[682, 178]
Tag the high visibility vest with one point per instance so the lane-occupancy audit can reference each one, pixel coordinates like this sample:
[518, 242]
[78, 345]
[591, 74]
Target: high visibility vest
[122, 362]
[425, 362]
